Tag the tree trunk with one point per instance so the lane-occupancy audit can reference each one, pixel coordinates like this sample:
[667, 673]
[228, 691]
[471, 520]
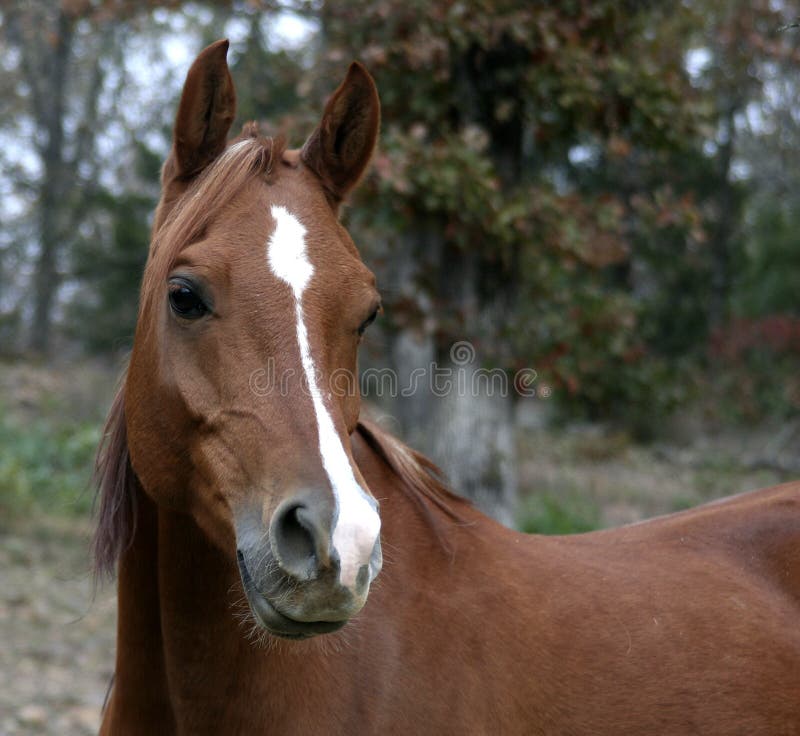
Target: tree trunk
[52, 188]
[46, 279]
[464, 423]
[472, 438]
[448, 411]
[724, 231]
[468, 427]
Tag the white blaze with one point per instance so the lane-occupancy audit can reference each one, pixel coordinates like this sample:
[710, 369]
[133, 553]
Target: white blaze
[357, 524]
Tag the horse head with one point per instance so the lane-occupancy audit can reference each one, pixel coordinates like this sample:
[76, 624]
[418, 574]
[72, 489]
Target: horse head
[253, 303]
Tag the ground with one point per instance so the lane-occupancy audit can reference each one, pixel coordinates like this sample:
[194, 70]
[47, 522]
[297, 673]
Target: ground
[57, 632]
[58, 639]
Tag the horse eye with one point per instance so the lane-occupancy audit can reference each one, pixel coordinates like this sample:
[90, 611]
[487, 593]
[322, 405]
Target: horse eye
[368, 321]
[184, 301]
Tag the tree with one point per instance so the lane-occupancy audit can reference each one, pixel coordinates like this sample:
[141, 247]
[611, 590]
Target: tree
[485, 220]
[743, 47]
[60, 72]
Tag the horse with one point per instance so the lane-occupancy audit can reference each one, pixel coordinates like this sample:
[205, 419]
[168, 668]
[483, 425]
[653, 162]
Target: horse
[247, 524]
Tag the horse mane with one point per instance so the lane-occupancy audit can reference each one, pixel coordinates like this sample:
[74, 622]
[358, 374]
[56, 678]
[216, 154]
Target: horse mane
[422, 480]
[116, 489]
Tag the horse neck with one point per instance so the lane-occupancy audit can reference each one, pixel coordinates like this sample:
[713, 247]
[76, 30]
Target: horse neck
[176, 619]
[180, 644]
[140, 680]
[183, 657]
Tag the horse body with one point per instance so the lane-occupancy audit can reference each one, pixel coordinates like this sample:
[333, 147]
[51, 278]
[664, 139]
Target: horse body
[244, 522]
[683, 624]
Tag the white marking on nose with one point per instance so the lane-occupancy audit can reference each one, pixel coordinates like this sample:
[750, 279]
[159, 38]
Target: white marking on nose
[357, 524]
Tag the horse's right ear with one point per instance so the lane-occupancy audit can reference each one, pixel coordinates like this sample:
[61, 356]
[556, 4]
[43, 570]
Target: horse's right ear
[205, 114]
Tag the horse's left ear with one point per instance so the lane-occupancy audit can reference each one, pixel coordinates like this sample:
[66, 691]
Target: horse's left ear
[339, 150]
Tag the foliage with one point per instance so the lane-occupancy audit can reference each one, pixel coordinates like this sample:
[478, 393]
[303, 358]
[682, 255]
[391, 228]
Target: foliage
[544, 513]
[107, 265]
[563, 181]
[769, 268]
[760, 358]
[486, 110]
[45, 464]
[580, 187]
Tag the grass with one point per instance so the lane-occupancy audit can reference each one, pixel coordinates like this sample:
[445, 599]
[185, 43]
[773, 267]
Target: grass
[576, 478]
[50, 423]
[45, 463]
[546, 513]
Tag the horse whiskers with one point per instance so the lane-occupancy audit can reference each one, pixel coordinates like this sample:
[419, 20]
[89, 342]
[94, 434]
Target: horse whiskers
[326, 645]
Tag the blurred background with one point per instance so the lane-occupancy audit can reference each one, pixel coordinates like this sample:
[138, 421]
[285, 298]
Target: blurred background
[598, 196]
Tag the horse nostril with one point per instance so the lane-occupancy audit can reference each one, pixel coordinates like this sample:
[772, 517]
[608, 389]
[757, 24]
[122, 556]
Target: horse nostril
[298, 541]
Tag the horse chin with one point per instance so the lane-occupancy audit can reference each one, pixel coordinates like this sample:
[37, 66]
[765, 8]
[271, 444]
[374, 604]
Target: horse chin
[273, 621]
[279, 625]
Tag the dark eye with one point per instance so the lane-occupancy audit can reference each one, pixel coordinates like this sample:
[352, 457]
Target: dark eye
[184, 300]
[368, 321]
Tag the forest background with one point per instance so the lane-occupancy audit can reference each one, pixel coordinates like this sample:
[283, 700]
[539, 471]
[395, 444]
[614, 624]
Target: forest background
[597, 202]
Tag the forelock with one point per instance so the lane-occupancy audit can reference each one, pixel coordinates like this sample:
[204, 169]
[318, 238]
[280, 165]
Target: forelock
[252, 156]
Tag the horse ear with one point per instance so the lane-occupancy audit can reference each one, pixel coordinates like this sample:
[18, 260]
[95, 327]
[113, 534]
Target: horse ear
[205, 113]
[339, 150]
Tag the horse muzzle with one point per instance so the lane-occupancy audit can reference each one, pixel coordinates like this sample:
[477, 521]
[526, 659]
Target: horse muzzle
[293, 576]
[269, 617]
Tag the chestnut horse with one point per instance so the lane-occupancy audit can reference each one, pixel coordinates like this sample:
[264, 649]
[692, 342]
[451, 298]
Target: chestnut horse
[243, 522]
